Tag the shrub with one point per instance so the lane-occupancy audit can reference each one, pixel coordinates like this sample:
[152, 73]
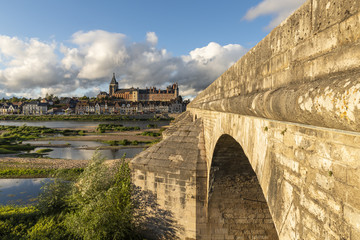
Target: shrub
[53, 198]
[44, 150]
[152, 134]
[103, 204]
[51, 228]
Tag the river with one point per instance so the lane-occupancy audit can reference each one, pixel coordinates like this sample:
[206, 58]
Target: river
[20, 191]
[25, 191]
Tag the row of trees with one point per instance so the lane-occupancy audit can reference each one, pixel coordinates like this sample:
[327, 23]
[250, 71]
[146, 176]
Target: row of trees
[49, 97]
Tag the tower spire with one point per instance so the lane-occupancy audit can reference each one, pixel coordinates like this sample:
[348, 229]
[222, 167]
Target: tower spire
[113, 85]
[113, 80]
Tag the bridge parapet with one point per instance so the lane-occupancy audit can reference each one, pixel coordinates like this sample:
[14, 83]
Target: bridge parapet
[306, 71]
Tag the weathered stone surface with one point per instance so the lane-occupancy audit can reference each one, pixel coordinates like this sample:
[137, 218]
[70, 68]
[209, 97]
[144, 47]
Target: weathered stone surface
[175, 171]
[305, 71]
[289, 110]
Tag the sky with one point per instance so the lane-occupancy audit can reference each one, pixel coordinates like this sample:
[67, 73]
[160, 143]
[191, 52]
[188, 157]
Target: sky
[72, 48]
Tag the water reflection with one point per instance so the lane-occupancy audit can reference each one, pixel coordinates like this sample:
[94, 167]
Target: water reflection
[76, 150]
[85, 154]
[20, 191]
[76, 144]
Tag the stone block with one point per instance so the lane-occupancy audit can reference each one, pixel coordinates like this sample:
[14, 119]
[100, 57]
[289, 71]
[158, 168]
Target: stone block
[349, 30]
[315, 209]
[327, 200]
[352, 216]
[320, 163]
[353, 177]
[339, 172]
[286, 162]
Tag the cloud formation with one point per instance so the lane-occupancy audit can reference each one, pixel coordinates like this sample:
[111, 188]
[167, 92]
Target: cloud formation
[33, 68]
[279, 9]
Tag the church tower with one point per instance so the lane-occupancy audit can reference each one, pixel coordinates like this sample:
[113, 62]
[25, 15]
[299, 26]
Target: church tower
[176, 89]
[113, 86]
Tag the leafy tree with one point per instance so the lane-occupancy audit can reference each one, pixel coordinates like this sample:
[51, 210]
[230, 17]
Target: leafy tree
[103, 205]
[84, 98]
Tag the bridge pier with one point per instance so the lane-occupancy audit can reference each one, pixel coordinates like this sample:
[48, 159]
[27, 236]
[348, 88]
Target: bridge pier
[174, 170]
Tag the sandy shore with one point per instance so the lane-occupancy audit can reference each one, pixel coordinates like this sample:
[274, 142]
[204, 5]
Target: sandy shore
[40, 163]
[43, 163]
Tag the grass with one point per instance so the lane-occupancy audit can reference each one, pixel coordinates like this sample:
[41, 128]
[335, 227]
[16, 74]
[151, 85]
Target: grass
[114, 127]
[16, 220]
[126, 142]
[26, 172]
[19, 172]
[6, 151]
[12, 137]
[30, 155]
[44, 150]
[151, 134]
[81, 118]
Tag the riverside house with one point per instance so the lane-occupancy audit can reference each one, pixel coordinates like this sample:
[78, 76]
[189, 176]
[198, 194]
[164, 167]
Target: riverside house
[9, 108]
[35, 108]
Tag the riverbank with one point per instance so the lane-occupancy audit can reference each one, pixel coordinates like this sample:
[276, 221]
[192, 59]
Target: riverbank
[94, 117]
[17, 167]
[36, 164]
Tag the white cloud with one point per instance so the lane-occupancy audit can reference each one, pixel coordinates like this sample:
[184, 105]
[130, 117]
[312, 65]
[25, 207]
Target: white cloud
[98, 52]
[279, 9]
[27, 63]
[152, 38]
[34, 68]
[203, 65]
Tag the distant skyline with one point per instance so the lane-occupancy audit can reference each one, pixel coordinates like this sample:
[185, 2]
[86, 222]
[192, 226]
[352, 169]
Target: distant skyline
[71, 48]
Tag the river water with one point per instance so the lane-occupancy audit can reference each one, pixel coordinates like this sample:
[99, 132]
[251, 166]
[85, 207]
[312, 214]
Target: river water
[20, 191]
[25, 191]
[77, 150]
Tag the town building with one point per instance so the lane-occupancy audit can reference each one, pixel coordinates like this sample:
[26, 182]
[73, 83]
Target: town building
[137, 95]
[35, 108]
[9, 108]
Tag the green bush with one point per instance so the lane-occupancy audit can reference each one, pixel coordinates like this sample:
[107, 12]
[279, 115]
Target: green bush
[53, 198]
[6, 151]
[49, 228]
[152, 134]
[15, 221]
[115, 127]
[44, 150]
[101, 203]
[104, 206]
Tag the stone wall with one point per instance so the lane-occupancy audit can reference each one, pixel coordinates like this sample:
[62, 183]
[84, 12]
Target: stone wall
[309, 175]
[306, 71]
[174, 170]
[237, 208]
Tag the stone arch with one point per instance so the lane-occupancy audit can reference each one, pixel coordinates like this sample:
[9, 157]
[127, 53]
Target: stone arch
[237, 208]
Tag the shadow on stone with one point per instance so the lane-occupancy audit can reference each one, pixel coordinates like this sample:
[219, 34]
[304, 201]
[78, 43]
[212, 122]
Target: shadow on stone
[153, 221]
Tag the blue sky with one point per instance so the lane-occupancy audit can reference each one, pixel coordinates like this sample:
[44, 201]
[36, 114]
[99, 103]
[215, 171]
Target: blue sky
[72, 47]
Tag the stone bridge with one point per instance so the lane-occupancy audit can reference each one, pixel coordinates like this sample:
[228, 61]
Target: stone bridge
[271, 149]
